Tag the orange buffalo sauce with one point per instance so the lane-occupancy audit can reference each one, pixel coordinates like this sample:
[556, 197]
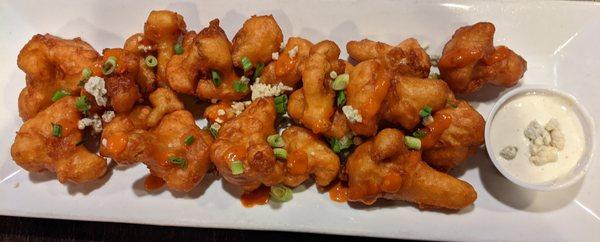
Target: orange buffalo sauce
[501, 53]
[116, 142]
[435, 130]
[338, 192]
[459, 58]
[297, 163]
[259, 196]
[153, 182]
[284, 64]
[391, 182]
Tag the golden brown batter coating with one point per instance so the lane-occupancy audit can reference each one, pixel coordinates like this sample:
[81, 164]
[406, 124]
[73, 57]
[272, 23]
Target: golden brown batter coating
[258, 38]
[286, 68]
[164, 29]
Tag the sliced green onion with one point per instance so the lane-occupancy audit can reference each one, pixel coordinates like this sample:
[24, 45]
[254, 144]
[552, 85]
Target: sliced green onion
[281, 193]
[214, 132]
[189, 140]
[452, 104]
[258, 71]
[239, 86]
[275, 140]
[419, 133]
[179, 161]
[340, 82]
[280, 153]
[246, 63]
[426, 111]
[151, 61]
[341, 98]
[60, 94]
[337, 145]
[216, 78]
[82, 104]
[178, 48]
[86, 73]
[109, 66]
[412, 142]
[237, 167]
[281, 103]
[56, 130]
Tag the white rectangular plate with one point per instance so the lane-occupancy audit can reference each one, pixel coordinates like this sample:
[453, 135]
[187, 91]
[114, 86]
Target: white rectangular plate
[558, 39]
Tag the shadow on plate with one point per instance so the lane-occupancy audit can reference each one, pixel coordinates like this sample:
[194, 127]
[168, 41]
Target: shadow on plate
[391, 204]
[196, 192]
[73, 189]
[521, 198]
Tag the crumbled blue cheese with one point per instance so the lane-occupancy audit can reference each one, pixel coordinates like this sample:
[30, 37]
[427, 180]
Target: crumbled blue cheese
[333, 74]
[293, 52]
[545, 142]
[244, 79]
[509, 152]
[220, 112]
[260, 90]
[96, 86]
[215, 126]
[108, 116]
[93, 122]
[352, 114]
[238, 107]
[275, 55]
[427, 120]
[219, 120]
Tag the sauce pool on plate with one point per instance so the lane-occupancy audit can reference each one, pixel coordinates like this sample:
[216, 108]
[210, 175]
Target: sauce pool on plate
[513, 118]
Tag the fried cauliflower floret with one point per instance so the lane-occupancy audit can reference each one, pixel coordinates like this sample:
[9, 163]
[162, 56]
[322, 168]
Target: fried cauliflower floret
[182, 70]
[164, 28]
[163, 101]
[408, 96]
[258, 38]
[339, 126]
[384, 168]
[244, 139]
[454, 135]
[125, 139]
[469, 60]
[368, 86]
[306, 155]
[407, 58]
[215, 56]
[51, 64]
[181, 165]
[39, 147]
[313, 104]
[121, 85]
[286, 68]
[220, 112]
[142, 47]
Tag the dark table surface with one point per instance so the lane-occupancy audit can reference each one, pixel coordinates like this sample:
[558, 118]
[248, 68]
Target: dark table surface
[28, 229]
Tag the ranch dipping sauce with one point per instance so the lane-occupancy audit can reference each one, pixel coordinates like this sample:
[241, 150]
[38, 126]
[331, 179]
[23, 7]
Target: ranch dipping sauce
[508, 133]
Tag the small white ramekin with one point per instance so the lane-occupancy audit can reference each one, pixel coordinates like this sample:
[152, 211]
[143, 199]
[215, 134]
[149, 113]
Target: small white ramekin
[583, 164]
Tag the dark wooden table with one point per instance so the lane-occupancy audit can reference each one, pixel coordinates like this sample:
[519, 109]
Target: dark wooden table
[15, 229]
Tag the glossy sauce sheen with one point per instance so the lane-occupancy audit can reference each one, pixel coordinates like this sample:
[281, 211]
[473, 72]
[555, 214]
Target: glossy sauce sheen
[512, 119]
[153, 182]
[338, 192]
[259, 196]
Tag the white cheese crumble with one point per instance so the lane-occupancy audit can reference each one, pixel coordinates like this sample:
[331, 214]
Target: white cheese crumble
[293, 52]
[108, 116]
[96, 86]
[215, 126]
[333, 74]
[509, 152]
[93, 122]
[238, 107]
[352, 114]
[220, 112]
[219, 120]
[275, 55]
[545, 142]
[244, 79]
[265, 90]
[427, 120]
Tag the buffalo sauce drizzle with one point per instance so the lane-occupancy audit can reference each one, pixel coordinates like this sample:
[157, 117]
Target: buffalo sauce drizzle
[435, 130]
[153, 182]
[338, 191]
[259, 196]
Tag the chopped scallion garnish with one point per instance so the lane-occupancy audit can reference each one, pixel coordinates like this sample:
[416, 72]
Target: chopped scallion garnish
[179, 161]
[246, 63]
[60, 94]
[216, 78]
[239, 86]
[56, 130]
[82, 104]
[109, 66]
[258, 71]
[337, 145]
[178, 48]
[341, 98]
[275, 140]
[281, 103]
[412, 142]
[86, 73]
[280, 153]
[189, 140]
[281, 193]
[452, 104]
[426, 111]
[151, 61]
[237, 167]
[340, 82]
[419, 133]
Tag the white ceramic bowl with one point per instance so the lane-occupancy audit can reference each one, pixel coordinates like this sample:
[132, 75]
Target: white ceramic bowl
[582, 165]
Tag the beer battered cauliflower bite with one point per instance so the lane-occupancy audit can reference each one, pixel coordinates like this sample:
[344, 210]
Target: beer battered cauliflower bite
[278, 113]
